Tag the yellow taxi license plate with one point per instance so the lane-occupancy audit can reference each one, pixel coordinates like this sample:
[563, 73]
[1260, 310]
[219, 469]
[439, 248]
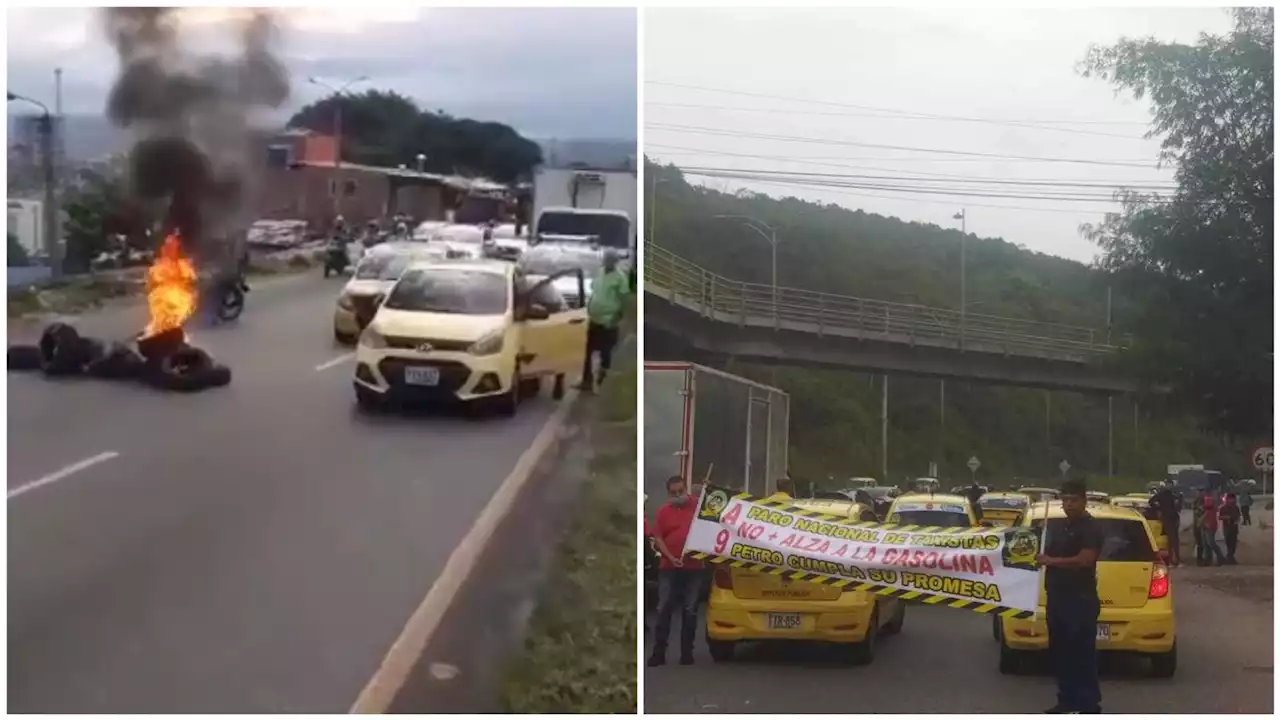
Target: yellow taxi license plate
[784, 621]
[427, 376]
[1104, 631]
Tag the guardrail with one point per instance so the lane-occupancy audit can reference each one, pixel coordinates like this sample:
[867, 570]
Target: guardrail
[713, 296]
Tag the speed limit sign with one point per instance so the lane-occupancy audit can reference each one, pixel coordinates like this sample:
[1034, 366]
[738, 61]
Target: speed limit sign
[1264, 459]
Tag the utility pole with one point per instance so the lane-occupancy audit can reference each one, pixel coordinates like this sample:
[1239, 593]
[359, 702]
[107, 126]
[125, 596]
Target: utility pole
[884, 430]
[337, 94]
[1048, 434]
[58, 129]
[1111, 399]
[771, 236]
[964, 303]
[44, 127]
[653, 208]
[942, 423]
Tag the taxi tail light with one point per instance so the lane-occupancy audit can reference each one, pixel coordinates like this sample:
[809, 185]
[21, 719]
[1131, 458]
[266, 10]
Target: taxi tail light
[723, 578]
[1159, 581]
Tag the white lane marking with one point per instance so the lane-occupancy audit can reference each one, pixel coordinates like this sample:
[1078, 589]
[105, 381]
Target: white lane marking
[385, 684]
[64, 472]
[335, 362]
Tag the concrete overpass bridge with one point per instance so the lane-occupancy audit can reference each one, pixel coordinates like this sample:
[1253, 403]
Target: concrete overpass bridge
[692, 313]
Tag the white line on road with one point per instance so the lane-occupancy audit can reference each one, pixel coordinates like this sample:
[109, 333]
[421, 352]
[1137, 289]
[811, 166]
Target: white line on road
[335, 362]
[64, 472]
[385, 684]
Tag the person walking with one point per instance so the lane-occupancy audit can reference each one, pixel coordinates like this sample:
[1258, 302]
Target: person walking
[1246, 503]
[1229, 517]
[679, 578]
[1209, 532]
[605, 310]
[1070, 559]
[1197, 526]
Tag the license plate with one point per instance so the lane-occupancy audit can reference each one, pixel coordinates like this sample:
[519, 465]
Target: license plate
[428, 376]
[1104, 632]
[784, 621]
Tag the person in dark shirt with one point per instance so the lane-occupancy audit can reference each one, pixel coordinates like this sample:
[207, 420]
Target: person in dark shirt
[1072, 606]
[1170, 515]
[975, 493]
[679, 578]
[1229, 519]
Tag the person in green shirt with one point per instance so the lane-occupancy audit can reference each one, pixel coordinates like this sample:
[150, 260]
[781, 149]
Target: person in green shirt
[605, 309]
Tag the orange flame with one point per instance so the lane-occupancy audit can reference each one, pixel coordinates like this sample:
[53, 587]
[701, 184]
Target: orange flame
[171, 288]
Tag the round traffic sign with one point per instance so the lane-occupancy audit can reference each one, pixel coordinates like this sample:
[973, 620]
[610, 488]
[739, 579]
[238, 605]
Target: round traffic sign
[1064, 466]
[974, 463]
[1264, 459]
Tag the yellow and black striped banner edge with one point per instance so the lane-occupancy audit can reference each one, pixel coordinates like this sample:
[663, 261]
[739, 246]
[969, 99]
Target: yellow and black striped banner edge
[881, 590]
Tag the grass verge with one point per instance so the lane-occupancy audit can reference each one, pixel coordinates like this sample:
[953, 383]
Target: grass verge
[579, 653]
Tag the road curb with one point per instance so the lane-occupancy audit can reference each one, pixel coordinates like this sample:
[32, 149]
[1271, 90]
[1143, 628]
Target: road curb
[479, 558]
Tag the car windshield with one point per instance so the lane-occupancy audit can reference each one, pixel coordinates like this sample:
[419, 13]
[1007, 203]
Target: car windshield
[450, 290]
[927, 518]
[880, 492]
[1002, 503]
[550, 263]
[382, 267]
[611, 230]
[1122, 540]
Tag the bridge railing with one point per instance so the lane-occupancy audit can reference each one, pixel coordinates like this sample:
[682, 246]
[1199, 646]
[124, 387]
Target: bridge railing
[755, 304]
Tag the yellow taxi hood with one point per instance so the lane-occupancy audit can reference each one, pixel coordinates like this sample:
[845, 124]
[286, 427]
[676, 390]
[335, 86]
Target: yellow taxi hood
[368, 287]
[441, 326]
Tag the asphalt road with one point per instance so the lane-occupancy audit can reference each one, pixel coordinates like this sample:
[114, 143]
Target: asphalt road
[945, 661]
[256, 548]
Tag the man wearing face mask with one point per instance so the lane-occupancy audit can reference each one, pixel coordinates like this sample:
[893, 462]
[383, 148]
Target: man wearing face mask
[679, 578]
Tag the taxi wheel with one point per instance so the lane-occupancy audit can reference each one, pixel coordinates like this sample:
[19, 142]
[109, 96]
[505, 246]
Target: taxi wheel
[1164, 665]
[530, 387]
[557, 388]
[368, 400]
[1011, 660]
[894, 626]
[721, 650]
[995, 627]
[864, 652]
[343, 339]
[508, 403]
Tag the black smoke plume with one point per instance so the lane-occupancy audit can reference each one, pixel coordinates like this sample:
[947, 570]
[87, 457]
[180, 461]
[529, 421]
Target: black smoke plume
[192, 118]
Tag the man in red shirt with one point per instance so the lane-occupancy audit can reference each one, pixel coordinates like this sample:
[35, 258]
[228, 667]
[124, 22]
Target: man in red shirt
[679, 578]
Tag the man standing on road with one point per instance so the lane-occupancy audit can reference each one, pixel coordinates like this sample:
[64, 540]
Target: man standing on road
[974, 493]
[1072, 606]
[1197, 527]
[605, 309]
[1209, 531]
[1246, 503]
[1229, 517]
[1170, 518]
[679, 578]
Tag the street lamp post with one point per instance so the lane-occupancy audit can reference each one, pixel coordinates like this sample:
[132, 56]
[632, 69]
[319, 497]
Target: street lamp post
[771, 236]
[52, 241]
[422, 161]
[963, 289]
[653, 207]
[336, 94]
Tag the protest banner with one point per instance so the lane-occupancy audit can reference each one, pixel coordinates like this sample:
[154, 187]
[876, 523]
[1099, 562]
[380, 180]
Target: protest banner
[985, 570]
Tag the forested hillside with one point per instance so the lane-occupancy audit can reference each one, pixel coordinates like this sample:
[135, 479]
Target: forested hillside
[835, 423]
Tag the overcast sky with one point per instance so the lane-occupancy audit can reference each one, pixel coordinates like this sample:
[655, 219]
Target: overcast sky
[535, 69]
[1001, 64]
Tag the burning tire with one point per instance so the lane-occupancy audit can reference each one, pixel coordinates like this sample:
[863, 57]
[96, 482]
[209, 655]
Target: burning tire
[61, 350]
[219, 376]
[186, 370]
[118, 362]
[24, 357]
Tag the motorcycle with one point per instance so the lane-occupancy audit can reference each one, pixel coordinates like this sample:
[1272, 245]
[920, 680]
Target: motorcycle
[336, 259]
[232, 299]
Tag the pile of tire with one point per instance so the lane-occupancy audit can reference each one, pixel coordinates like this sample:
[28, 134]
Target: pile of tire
[63, 352]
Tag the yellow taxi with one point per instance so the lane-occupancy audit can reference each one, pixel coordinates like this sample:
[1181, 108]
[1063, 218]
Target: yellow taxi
[376, 272]
[745, 605]
[929, 510]
[471, 331]
[1003, 508]
[1141, 504]
[1037, 493]
[1133, 585]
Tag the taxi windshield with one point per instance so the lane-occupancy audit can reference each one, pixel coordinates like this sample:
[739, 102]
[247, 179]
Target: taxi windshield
[450, 290]
[1002, 503]
[551, 263]
[940, 518]
[382, 267]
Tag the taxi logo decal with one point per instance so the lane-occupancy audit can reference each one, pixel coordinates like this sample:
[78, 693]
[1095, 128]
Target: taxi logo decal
[1020, 548]
[426, 347]
[714, 504]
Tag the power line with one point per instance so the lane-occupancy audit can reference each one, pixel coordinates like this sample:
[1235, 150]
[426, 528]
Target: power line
[961, 192]
[821, 161]
[977, 181]
[831, 103]
[698, 130]
[898, 115]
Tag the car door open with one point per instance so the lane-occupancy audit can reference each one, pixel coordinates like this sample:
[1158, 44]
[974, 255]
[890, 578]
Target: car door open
[558, 341]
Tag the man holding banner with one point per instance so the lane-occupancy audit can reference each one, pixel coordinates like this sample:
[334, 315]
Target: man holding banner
[679, 577]
[1072, 606]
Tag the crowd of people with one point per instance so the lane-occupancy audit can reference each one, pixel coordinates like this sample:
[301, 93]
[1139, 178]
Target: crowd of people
[1211, 512]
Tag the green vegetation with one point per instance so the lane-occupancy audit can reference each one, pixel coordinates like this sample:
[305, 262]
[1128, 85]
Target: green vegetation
[580, 652]
[1192, 278]
[386, 129]
[1200, 263]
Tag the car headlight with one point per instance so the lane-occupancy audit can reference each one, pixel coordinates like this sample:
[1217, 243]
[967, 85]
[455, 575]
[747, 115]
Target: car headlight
[372, 339]
[490, 344]
[344, 302]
